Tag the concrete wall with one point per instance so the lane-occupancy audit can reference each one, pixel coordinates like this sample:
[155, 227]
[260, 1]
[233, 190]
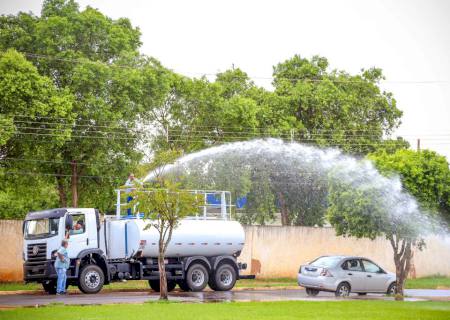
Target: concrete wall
[275, 251]
[272, 251]
[11, 250]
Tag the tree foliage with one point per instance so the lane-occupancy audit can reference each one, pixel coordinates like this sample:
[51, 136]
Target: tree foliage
[425, 174]
[92, 64]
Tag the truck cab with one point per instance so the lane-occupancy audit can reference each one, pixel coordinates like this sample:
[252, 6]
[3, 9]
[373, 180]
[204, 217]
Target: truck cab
[43, 232]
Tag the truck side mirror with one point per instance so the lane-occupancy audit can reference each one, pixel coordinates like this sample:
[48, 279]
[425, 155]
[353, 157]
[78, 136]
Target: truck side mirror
[69, 222]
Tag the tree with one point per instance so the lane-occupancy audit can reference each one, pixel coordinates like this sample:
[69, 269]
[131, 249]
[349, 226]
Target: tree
[164, 204]
[96, 60]
[24, 142]
[360, 207]
[425, 174]
[334, 108]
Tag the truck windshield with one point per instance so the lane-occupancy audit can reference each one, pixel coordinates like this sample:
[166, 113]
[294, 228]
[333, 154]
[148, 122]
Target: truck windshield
[41, 228]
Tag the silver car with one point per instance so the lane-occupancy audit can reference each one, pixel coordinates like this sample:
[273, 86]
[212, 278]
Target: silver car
[345, 274]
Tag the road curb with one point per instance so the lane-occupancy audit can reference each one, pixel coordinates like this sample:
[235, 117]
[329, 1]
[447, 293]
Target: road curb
[76, 291]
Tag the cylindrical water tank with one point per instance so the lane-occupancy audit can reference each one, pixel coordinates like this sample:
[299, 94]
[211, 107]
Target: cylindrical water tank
[190, 238]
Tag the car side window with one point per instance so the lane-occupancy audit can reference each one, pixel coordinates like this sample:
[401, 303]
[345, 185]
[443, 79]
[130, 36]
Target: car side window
[79, 225]
[371, 267]
[352, 265]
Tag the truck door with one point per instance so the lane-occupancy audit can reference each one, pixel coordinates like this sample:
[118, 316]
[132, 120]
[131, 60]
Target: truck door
[79, 235]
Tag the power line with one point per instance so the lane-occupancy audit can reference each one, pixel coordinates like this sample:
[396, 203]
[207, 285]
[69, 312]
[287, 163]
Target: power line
[348, 140]
[62, 131]
[56, 175]
[13, 159]
[70, 125]
[66, 118]
[248, 130]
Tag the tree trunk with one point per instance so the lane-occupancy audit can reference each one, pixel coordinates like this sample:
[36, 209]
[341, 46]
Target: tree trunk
[74, 184]
[162, 274]
[285, 221]
[402, 258]
[61, 192]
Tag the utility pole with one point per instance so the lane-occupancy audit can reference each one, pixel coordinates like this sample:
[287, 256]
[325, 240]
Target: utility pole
[418, 145]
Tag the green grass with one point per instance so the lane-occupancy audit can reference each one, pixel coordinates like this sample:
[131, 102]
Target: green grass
[257, 283]
[433, 282]
[419, 283]
[13, 286]
[367, 310]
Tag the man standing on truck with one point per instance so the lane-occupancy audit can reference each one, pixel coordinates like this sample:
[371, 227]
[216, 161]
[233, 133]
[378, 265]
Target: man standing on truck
[62, 263]
[131, 182]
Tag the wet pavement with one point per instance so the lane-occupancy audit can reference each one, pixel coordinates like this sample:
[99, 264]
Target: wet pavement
[206, 296]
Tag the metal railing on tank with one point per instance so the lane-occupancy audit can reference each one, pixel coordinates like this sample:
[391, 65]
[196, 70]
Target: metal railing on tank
[216, 204]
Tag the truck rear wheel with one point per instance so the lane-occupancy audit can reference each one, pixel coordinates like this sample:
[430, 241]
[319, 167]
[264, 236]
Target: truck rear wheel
[197, 277]
[155, 285]
[224, 278]
[91, 279]
[49, 286]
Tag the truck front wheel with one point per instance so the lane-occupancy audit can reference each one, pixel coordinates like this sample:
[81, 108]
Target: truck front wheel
[49, 286]
[91, 279]
[197, 277]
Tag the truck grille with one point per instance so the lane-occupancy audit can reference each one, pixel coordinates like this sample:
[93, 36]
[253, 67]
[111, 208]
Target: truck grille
[37, 253]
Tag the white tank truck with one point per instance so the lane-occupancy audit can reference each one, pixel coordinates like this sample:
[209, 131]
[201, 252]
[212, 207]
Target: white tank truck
[203, 250]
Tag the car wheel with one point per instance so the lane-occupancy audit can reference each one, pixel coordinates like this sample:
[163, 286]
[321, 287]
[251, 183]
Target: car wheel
[343, 290]
[312, 292]
[392, 290]
[91, 279]
[197, 277]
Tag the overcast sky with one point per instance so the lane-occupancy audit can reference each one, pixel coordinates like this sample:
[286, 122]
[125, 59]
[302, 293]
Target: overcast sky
[408, 39]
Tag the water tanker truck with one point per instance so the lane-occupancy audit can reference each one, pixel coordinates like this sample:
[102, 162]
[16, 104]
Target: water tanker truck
[203, 250]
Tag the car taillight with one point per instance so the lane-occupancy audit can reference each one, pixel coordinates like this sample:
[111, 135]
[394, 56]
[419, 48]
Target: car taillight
[326, 273]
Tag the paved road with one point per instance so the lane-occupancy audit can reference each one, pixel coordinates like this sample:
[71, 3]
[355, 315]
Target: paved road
[207, 296]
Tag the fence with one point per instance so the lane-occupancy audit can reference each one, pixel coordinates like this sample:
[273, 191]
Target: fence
[273, 251]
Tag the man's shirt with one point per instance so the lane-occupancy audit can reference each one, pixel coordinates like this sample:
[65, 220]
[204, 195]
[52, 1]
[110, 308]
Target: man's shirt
[62, 264]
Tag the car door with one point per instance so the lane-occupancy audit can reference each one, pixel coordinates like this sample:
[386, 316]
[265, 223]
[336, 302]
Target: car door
[355, 273]
[78, 236]
[377, 279]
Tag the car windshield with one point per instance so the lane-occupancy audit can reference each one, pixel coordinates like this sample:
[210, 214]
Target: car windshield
[41, 228]
[326, 261]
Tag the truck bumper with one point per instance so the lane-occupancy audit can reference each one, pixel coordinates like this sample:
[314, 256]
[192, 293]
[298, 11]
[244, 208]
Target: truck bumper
[37, 272]
[45, 270]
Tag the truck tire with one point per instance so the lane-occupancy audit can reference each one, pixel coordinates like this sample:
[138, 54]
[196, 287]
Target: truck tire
[197, 277]
[154, 284]
[183, 285]
[91, 279]
[49, 286]
[212, 283]
[224, 278]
